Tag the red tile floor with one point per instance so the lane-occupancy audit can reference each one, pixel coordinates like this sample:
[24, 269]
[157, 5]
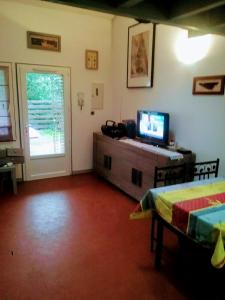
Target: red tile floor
[71, 238]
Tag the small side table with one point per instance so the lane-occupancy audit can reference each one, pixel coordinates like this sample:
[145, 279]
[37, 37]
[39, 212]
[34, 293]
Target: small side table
[12, 170]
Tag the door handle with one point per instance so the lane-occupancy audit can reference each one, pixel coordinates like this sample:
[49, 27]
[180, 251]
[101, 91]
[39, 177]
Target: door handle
[27, 130]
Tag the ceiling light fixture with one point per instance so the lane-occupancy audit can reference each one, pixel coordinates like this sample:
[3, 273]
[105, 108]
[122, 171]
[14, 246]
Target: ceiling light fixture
[191, 50]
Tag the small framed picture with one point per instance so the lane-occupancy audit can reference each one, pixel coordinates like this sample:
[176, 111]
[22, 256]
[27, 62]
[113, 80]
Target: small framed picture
[91, 59]
[43, 41]
[140, 55]
[208, 85]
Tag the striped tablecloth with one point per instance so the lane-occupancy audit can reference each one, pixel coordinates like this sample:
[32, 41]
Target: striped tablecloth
[195, 208]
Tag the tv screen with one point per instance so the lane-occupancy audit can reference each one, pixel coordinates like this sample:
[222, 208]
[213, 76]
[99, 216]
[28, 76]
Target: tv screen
[153, 127]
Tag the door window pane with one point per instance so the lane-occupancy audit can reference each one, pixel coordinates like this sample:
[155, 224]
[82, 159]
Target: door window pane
[45, 97]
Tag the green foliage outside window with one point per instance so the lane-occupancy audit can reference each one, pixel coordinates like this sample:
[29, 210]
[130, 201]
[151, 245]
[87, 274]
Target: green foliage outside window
[45, 102]
[41, 86]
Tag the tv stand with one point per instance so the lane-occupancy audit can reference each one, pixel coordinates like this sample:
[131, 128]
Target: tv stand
[130, 164]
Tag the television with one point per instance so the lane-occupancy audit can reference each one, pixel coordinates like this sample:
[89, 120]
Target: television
[153, 127]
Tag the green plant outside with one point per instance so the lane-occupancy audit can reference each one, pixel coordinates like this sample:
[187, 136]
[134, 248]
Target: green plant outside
[48, 88]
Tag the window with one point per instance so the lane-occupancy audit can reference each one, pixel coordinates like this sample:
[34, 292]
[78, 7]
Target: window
[6, 104]
[45, 99]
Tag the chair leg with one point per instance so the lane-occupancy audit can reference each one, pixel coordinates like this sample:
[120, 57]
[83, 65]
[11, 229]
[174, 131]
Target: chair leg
[152, 237]
[159, 244]
[13, 178]
[1, 184]
[3, 179]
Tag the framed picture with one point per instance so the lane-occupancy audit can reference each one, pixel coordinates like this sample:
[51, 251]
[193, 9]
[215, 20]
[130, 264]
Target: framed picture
[140, 55]
[91, 59]
[43, 41]
[208, 85]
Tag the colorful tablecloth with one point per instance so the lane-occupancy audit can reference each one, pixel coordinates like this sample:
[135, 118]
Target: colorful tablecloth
[195, 208]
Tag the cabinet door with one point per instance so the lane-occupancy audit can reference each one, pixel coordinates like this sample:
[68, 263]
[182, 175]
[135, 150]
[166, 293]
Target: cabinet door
[131, 178]
[102, 155]
[108, 161]
[126, 183]
[114, 173]
[146, 163]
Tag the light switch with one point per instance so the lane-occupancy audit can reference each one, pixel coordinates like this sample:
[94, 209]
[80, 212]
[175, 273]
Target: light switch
[97, 98]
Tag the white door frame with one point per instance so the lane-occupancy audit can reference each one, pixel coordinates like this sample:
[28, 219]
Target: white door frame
[65, 71]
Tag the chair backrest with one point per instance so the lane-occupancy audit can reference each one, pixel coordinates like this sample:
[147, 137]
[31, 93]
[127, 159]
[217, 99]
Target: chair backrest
[169, 175]
[205, 169]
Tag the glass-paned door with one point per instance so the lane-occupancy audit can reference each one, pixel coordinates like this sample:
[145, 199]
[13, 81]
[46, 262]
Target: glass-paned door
[45, 97]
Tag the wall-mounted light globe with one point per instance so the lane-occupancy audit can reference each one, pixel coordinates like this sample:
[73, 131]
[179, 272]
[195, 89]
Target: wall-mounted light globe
[191, 50]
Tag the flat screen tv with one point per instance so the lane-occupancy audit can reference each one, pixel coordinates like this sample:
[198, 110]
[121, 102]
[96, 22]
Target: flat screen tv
[153, 127]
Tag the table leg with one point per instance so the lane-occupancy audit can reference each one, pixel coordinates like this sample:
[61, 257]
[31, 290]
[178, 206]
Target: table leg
[152, 237]
[159, 244]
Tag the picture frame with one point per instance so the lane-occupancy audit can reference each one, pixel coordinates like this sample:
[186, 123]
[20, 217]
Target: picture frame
[91, 59]
[140, 55]
[208, 85]
[43, 41]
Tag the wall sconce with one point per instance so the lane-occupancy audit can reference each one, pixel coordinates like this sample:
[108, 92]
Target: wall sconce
[80, 100]
[191, 50]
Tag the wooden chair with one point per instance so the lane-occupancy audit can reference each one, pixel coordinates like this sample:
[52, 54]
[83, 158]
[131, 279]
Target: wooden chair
[205, 169]
[166, 176]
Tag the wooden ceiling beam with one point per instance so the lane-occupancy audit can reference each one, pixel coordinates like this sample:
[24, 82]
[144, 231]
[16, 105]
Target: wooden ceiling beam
[208, 22]
[184, 9]
[220, 27]
[205, 20]
[218, 30]
[145, 11]
[129, 3]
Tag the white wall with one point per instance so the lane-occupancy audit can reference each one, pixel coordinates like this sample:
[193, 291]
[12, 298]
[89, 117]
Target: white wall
[198, 122]
[79, 30]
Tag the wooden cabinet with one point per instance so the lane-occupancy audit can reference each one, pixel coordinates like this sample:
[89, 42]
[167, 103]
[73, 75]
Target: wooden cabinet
[129, 167]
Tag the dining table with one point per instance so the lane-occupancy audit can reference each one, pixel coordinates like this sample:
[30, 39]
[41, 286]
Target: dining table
[195, 209]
